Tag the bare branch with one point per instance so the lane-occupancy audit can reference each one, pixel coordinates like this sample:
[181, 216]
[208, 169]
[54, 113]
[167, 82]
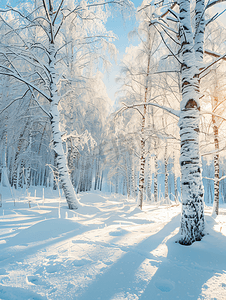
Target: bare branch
[167, 45]
[19, 98]
[46, 10]
[214, 62]
[57, 12]
[214, 54]
[213, 114]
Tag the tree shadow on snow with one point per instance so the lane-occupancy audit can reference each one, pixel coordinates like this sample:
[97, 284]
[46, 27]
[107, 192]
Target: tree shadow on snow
[122, 277]
[187, 268]
[180, 275]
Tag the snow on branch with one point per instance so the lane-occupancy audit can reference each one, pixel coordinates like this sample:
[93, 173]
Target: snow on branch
[23, 80]
[163, 25]
[125, 107]
[168, 109]
[46, 10]
[168, 10]
[213, 2]
[135, 106]
[217, 15]
[217, 179]
[214, 151]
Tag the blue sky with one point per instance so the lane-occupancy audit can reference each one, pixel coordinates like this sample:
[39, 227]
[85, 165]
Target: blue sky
[121, 27]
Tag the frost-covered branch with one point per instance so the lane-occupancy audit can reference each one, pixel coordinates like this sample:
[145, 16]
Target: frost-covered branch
[127, 107]
[214, 151]
[25, 81]
[168, 109]
[213, 2]
[214, 179]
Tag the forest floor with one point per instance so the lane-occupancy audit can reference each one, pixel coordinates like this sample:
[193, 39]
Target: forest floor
[106, 250]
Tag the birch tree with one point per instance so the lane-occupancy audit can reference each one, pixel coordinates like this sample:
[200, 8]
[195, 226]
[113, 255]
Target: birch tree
[213, 87]
[138, 85]
[190, 38]
[44, 56]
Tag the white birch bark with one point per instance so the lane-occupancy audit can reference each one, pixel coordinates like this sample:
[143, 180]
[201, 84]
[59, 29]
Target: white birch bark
[156, 174]
[175, 179]
[149, 179]
[166, 173]
[192, 220]
[216, 163]
[142, 142]
[133, 179]
[4, 178]
[142, 164]
[57, 141]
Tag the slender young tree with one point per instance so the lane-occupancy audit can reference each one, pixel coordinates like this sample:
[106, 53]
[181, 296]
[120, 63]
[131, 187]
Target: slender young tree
[213, 87]
[139, 85]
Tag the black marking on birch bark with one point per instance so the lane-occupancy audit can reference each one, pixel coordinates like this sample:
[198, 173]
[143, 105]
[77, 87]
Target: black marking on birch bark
[191, 104]
[186, 142]
[185, 28]
[186, 83]
[189, 162]
[187, 132]
[187, 51]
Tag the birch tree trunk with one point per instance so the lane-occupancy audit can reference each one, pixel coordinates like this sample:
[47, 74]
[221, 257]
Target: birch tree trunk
[57, 141]
[142, 142]
[149, 179]
[175, 179]
[17, 155]
[142, 163]
[133, 179]
[166, 173]
[192, 220]
[216, 163]
[156, 175]
[4, 177]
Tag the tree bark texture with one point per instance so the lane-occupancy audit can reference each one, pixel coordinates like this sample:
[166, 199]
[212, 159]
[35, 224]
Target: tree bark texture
[192, 220]
[57, 141]
[216, 163]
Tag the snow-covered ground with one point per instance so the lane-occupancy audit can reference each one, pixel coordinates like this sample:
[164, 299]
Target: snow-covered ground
[106, 250]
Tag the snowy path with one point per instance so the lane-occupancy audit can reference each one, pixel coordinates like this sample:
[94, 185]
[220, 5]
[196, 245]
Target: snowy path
[108, 250]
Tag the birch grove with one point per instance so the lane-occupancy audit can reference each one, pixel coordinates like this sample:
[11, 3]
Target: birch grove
[60, 129]
[44, 54]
